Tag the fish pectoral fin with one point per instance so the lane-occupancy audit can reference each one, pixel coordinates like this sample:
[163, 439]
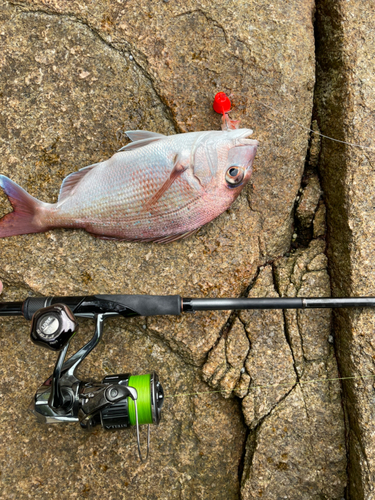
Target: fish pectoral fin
[71, 181]
[141, 138]
[177, 170]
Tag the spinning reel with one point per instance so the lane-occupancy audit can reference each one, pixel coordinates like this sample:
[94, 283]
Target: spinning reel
[119, 401]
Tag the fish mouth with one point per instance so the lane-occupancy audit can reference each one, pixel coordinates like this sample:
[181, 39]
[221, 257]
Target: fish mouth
[245, 149]
[247, 142]
[241, 136]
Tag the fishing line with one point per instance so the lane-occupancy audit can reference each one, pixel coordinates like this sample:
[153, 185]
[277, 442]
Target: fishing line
[311, 381]
[142, 384]
[355, 145]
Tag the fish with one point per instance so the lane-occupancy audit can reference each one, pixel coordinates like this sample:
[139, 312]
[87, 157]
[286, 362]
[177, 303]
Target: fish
[158, 188]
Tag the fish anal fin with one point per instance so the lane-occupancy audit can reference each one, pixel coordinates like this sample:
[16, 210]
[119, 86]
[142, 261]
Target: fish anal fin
[174, 237]
[101, 237]
[160, 239]
[177, 170]
[71, 181]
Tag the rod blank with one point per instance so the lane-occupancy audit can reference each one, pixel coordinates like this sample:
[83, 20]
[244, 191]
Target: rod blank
[11, 308]
[276, 303]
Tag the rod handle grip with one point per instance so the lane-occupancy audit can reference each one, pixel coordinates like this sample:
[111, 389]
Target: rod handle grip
[32, 304]
[125, 305]
[147, 305]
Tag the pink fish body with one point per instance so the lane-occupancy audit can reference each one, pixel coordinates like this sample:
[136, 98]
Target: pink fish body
[157, 188]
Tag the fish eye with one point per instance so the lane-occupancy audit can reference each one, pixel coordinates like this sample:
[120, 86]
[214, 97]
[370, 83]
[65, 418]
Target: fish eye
[234, 175]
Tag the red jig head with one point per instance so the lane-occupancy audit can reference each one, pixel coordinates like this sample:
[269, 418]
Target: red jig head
[222, 106]
[222, 103]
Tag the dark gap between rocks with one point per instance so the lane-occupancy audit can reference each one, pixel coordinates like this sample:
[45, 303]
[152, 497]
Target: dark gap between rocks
[328, 47]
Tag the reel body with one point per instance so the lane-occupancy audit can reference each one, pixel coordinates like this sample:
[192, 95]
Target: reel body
[118, 402]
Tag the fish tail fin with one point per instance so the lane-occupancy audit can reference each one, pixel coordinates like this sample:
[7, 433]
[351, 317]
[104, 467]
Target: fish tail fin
[23, 219]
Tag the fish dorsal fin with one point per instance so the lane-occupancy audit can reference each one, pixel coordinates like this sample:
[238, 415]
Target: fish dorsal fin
[141, 138]
[140, 135]
[72, 180]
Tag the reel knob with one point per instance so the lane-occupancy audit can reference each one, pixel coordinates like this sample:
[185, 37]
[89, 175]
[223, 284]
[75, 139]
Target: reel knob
[53, 327]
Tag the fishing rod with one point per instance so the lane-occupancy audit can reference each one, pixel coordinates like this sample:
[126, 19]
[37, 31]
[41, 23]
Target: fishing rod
[157, 305]
[120, 400]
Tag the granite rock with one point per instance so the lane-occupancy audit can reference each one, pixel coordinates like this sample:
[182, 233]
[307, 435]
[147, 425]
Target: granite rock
[308, 202]
[344, 104]
[225, 362]
[304, 435]
[290, 386]
[74, 76]
[305, 430]
[269, 362]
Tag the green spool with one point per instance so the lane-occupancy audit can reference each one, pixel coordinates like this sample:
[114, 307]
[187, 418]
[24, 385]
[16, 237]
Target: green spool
[143, 385]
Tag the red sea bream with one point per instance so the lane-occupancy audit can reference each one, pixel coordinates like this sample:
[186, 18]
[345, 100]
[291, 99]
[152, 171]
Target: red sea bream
[157, 188]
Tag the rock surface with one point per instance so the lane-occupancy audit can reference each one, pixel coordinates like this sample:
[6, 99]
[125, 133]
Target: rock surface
[73, 78]
[292, 400]
[345, 104]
